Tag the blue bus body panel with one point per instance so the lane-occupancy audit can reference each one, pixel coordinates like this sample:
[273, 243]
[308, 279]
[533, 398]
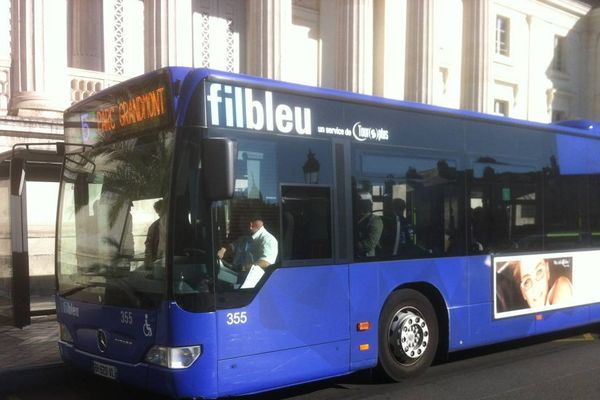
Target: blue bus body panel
[465, 283]
[296, 307]
[282, 368]
[365, 299]
[594, 310]
[372, 283]
[128, 345]
[296, 330]
[482, 328]
[185, 329]
[126, 342]
[557, 320]
[301, 326]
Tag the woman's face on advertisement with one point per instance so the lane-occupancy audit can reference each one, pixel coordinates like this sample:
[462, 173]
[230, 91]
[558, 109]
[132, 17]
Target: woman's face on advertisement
[534, 282]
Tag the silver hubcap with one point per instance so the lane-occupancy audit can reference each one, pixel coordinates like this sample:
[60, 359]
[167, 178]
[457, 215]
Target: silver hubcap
[408, 335]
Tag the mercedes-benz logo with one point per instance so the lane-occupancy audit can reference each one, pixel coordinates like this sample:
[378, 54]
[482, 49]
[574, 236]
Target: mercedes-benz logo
[102, 340]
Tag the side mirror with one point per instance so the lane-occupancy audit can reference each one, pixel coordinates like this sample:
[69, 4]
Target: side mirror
[17, 176]
[218, 165]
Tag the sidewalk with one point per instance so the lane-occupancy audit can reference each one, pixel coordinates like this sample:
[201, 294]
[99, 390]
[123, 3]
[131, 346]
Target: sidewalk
[30, 356]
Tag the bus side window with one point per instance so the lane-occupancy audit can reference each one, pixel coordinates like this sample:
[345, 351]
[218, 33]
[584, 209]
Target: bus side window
[306, 222]
[413, 206]
[505, 208]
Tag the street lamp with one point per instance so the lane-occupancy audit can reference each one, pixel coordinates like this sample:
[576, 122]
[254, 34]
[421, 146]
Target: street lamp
[311, 168]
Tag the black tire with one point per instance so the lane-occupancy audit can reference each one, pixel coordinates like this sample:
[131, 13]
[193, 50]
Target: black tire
[408, 335]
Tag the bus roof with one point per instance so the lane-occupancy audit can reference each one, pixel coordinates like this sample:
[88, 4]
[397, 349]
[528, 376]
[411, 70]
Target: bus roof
[577, 127]
[186, 77]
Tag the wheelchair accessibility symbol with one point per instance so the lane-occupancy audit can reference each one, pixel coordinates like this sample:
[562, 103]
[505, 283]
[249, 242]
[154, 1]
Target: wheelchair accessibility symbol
[147, 328]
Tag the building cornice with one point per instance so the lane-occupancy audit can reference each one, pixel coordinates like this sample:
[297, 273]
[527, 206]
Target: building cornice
[574, 7]
[13, 126]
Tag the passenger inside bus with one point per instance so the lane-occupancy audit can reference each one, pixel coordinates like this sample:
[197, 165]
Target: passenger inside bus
[398, 232]
[368, 227]
[155, 238]
[478, 227]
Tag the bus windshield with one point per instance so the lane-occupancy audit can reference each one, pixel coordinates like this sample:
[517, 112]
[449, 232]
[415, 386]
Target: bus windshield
[112, 222]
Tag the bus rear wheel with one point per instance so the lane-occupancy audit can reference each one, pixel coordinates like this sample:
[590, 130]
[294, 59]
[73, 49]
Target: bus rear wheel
[408, 335]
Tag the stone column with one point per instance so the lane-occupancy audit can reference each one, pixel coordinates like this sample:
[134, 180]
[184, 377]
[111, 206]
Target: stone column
[168, 27]
[591, 98]
[4, 55]
[86, 42]
[535, 110]
[477, 56]
[389, 38]
[39, 55]
[419, 51]
[266, 46]
[347, 52]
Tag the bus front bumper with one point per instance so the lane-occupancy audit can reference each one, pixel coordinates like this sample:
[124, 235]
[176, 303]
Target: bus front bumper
[170, 382]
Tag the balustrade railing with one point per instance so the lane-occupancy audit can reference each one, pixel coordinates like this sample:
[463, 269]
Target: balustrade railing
[85, 83]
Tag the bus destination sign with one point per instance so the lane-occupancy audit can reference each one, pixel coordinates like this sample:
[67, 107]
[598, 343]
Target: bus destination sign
[133, 110]
[121, 112]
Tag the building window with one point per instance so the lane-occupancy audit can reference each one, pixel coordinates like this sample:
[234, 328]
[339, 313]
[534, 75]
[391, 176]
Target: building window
[217, 28]
[558, 62]
[502, 35]
[501, 107]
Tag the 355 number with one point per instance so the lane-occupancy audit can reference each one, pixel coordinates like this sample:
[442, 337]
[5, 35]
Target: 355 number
[126, 318]
[237, 318]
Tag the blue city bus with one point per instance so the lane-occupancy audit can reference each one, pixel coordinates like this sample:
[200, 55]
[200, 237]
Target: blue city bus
[403, 232]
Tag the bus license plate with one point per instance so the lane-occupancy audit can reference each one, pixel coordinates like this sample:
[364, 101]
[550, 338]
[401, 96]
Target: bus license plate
[107, 371]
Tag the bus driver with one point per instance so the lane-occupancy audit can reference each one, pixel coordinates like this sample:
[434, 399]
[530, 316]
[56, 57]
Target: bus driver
[252, 254]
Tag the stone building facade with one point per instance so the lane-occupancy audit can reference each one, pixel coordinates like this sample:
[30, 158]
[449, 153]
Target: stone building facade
[528, 59]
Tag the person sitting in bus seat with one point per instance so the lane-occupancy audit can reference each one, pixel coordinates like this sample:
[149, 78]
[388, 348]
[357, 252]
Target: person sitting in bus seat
[404, 233]
[368, 227]
[259, 251]
[155, 238]
[478, 227]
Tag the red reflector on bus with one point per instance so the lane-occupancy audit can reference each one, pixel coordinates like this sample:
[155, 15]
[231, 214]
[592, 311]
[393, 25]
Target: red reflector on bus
[363, 326]
[364, 347]
[539, 317]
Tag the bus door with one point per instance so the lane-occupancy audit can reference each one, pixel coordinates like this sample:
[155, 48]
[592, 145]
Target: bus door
[28, 194]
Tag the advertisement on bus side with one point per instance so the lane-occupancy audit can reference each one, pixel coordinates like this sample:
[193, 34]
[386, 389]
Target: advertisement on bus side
[532, 283]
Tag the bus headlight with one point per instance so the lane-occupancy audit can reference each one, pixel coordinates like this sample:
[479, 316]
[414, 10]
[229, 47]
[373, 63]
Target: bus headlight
[65, 335]
[173, 357]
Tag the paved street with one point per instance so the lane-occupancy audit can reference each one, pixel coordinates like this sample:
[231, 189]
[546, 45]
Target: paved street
[558, 367]
[37, 342]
